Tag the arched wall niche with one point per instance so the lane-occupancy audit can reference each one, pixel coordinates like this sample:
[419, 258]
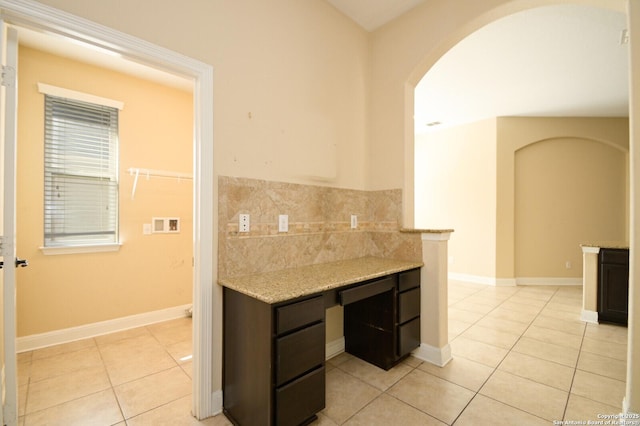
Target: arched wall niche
[567, 191]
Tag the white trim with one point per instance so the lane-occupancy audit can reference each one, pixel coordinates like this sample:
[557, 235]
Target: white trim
[436, 236]
[589, 316]
[511, 282]
[548, 281]
[589, 249]
[61, 92]
[478, 279]
[437, 356]
[66, 335]
[89, 248]
[334, 348]
[207, 364]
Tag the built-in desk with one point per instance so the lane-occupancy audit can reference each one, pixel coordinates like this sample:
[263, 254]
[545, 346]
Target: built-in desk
[274, 332]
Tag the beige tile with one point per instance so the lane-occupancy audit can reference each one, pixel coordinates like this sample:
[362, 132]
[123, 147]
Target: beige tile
[22, 399]
[477, 351]
[561, 315]
[131, 359]
[386, 410]
[537, 292]
[521, 307]
[181, 352]
[502, 339]
[65, 363]
[548, 351]
[511, 315]
[324, 421]
[602, 365]
[584, 409]
[152, 391]
[461, 371]
[558, 306]
[471, 306]
[598, 388]
[102, 408]
[609, 349]
[121, 335]
[63, 348]
[24, 371]
[339, 359]
[559, 338]
[177, 412]
[374, 376]
[173, 331]
[457, 327]
[187, 367]
[503, 325]
[432, 395]
[486, 411]
[607, 333]
[528, 301]
[464, 316]
[539, 370]
[527, 395]
[346, 395]
[63, 388]
[571, 327]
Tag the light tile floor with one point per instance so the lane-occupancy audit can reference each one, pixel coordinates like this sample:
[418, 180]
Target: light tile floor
[521, 356]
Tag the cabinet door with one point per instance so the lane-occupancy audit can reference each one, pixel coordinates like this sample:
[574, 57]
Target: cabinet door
[614, 292]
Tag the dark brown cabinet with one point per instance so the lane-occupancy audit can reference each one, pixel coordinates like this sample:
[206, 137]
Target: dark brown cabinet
[613, 285]
[384, 328]
[274, 354]
[274, 359]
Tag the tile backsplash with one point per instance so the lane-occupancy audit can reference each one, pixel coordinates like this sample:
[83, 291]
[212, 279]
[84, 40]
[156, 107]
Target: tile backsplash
[319, 226]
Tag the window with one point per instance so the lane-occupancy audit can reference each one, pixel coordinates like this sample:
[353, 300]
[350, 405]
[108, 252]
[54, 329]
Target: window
[80, 173]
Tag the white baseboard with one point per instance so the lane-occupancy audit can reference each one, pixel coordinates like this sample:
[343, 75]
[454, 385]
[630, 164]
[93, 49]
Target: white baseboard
[433, 355]
[548, 281]
[512, 282]
[479, 279]
[66, 335]
[589, 316]
[216, 402]
[333, 348]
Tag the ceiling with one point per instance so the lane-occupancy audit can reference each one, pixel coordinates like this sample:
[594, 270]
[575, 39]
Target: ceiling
[562, 60]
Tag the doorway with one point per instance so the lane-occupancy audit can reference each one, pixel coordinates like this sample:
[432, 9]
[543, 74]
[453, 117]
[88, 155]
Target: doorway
[205, 401]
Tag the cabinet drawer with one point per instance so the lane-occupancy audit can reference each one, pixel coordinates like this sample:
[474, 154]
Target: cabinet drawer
[614, 256]
[299, 314]
[408, 305]
[409, 279]
[299, 352]
[300, 399]
[365, 291]
[408, 336]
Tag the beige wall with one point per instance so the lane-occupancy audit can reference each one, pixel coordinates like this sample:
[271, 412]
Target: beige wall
[522, 194]
[568, 191]
[290, 80]
[455, 185]
[150, 272]
[515, 134]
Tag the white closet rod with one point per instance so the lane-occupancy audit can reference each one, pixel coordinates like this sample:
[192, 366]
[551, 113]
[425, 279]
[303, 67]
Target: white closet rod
[136, 171]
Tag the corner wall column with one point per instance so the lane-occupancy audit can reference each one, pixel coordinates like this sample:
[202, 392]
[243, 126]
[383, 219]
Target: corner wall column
[434, 316]
[590, 284]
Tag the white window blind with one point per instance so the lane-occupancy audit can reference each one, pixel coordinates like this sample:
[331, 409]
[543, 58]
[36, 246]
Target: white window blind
[81, 173]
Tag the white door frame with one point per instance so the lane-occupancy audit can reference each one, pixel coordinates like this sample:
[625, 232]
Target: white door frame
[28, 13]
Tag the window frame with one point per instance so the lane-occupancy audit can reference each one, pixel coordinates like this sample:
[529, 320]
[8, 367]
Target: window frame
[72, 247]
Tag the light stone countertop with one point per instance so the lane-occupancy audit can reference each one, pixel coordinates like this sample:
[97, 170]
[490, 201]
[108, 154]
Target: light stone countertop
[287, 284]
[607, 244]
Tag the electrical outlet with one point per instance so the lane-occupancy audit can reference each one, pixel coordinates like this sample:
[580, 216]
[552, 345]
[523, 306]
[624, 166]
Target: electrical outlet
[283, 223]
[244, 223]
[354, 221]
[568, 264]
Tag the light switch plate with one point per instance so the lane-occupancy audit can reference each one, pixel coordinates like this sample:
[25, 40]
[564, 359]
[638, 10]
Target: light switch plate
[354, 221]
